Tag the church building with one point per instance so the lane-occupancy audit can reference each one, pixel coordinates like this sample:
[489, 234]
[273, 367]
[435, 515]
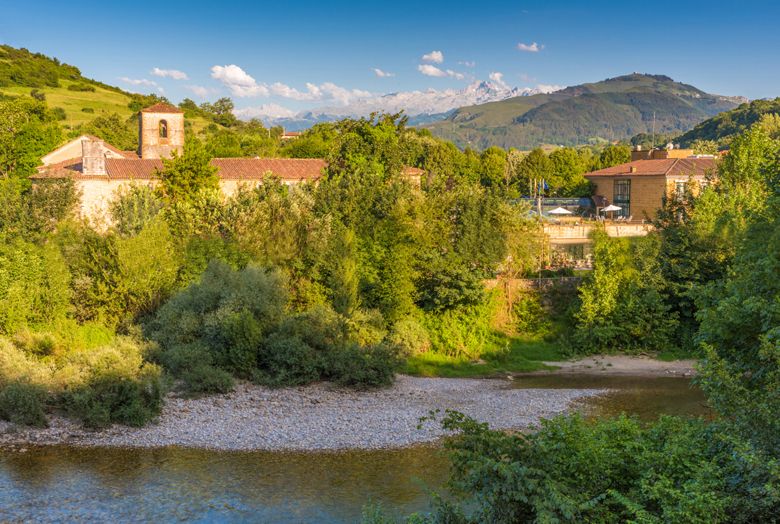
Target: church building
[100, 169]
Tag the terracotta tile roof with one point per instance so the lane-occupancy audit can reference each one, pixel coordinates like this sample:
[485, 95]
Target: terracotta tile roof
[294, 169]
[669, 167]
[161, 107]
[257, 168]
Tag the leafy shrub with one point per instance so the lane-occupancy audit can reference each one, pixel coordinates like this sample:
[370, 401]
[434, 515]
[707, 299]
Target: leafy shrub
[224, 316]
[23, 403]
[133, 207]
[81, 88]
[34, 285]
[612, 470]
[288, 361]
[207, 379]
[58, 113]
[364, 367]
[87, 110]
[463, 332]
[73, 367]
[621, 308]
[111, 398]
[409, 337]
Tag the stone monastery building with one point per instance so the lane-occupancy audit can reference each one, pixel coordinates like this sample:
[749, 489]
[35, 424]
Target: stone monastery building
[100, 169]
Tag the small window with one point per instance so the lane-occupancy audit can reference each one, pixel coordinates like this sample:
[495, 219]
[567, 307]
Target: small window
[680, 186]
[163, 129]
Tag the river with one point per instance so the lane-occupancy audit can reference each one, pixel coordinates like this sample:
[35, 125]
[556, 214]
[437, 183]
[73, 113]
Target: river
[60, 483]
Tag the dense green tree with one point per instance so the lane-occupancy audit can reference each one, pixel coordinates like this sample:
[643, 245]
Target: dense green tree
[613, 155]
[112, 128]
[27, 132]
[535, 167]
[184, 176]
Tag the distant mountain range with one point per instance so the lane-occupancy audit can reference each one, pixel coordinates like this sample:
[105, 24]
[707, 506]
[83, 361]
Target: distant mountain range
[422, 107]
[613, 109]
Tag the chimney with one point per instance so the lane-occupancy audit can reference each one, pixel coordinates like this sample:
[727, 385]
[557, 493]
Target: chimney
[93, 159]
[632, 169]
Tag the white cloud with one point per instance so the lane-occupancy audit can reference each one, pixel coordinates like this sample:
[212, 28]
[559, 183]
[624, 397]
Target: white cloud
[498, 79]
[175, 74]
[138, 81]
[437, 57]
[382, 74]
[467, 63]
[431, 70]
[200, 91]
[530, 48]
[238, 81]
[455, 74]
[264, 111]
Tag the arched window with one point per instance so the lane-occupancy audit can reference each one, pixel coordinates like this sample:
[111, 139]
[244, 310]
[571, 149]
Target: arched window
[163, 129]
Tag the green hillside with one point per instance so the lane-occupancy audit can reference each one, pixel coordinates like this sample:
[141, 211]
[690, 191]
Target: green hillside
[80, 100]
[613, 109]
[723, 127]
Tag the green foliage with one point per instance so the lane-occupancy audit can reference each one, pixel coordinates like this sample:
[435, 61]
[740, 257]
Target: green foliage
[133, 207]
[33, 212]
[20, 67]
[605, 471]
[621, 308]
[97, 377]
[115, 130]
[111, 398]
[184, 176]
[82, 88]
[27, 132]
[724, 127]
[34, 285]
[23, 403]
[409, 337]
[234, 323]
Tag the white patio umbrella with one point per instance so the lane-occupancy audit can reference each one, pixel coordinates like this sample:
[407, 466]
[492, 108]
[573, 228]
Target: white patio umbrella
[611, 208]
[560, 211]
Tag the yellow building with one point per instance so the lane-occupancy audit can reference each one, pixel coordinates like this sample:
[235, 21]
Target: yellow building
[639, 187]
[100, 169]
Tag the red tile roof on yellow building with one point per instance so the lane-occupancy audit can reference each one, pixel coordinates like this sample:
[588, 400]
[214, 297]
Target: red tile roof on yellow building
[291, 169]
[670, 167]
[161, 107]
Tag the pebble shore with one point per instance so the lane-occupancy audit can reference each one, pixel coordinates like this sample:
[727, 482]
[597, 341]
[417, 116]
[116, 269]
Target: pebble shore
[316, 417]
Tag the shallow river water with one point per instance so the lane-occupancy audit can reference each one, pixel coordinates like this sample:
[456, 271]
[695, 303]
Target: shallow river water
[60, 483]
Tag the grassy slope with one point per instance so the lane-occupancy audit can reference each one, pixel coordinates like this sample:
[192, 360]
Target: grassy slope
[102, 101]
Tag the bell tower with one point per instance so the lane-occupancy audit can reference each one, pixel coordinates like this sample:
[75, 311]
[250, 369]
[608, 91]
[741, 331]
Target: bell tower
[160, 131]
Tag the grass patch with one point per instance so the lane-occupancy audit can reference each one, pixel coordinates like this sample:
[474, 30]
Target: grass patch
[511, 355]
[670, 355]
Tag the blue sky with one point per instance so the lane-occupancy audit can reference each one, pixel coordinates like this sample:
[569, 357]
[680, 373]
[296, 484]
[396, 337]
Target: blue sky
[726, 48]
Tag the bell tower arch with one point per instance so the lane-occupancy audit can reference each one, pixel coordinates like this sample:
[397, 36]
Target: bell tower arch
[160, 131]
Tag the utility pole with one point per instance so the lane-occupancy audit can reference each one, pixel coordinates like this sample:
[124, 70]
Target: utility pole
[652, 145]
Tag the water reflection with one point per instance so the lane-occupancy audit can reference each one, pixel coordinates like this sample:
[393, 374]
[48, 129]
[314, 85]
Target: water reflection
[163, 485]
[645, 397]
[61, 483]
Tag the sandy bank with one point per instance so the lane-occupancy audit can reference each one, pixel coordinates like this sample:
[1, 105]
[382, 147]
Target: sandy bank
[624, 365]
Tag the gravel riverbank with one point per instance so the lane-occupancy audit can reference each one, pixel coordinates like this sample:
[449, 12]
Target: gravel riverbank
[316, 417]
